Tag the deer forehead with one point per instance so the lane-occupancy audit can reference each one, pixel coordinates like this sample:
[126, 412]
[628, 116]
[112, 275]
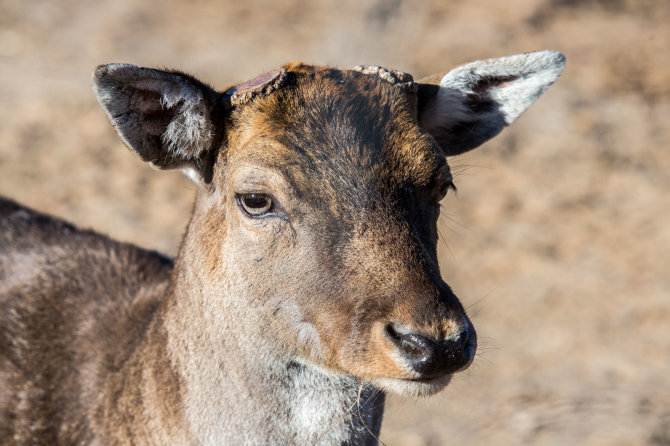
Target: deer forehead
[338, 131]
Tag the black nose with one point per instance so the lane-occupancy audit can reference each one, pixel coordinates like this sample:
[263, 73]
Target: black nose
[432, 357]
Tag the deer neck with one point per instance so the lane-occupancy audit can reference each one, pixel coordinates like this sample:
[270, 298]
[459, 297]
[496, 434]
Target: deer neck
[239, 388]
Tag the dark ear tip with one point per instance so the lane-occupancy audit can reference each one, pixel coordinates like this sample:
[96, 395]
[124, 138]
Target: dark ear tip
[558, 58]
[99, 73]
[549, 60]
[111, 70]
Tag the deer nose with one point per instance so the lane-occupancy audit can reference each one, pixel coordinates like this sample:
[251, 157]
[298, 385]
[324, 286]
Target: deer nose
[430, 357]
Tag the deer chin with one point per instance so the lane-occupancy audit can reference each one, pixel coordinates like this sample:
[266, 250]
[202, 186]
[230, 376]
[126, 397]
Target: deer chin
[412, 387]
[405, 387]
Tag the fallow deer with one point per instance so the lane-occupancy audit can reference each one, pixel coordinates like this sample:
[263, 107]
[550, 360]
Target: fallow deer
[307, 283]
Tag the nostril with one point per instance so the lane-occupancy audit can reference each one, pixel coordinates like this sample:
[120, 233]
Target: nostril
[464, 334]
[469, 341]
[412, 344]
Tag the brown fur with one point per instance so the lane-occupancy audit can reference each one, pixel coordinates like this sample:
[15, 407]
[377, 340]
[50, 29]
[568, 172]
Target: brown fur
[70, 342]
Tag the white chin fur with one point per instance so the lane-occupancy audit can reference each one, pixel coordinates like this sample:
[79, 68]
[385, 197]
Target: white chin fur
[408, 388]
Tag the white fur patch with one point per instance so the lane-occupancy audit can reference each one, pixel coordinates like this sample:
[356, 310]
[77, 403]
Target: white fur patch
[192, 175]
[412, 389]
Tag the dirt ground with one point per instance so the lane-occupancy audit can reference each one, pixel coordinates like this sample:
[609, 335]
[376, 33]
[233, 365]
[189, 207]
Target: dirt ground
[558, 240]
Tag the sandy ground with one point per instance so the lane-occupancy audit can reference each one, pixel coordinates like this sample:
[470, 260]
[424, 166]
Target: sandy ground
[559, 237]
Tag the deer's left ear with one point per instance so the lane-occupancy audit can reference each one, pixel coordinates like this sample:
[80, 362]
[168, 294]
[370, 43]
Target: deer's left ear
[473, 103]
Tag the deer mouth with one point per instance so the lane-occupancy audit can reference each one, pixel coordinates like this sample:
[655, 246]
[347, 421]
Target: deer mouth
[413, 387]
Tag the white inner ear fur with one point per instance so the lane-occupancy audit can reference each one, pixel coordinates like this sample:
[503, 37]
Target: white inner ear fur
[530, 75]
[190, 132]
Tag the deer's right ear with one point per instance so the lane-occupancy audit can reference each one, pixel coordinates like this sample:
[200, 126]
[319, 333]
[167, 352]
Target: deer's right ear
[168, 118]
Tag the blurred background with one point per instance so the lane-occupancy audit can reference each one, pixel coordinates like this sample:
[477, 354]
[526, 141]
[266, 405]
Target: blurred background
[558, 240]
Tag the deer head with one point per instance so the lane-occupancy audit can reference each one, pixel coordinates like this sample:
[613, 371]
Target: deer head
[314, 233]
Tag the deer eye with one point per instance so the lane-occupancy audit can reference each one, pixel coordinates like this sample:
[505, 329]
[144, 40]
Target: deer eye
[255, 205]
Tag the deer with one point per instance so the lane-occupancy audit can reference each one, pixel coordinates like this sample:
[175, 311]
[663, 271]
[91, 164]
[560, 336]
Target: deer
[307, 284]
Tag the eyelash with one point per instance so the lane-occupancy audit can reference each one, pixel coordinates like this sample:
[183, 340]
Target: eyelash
[446, 188]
